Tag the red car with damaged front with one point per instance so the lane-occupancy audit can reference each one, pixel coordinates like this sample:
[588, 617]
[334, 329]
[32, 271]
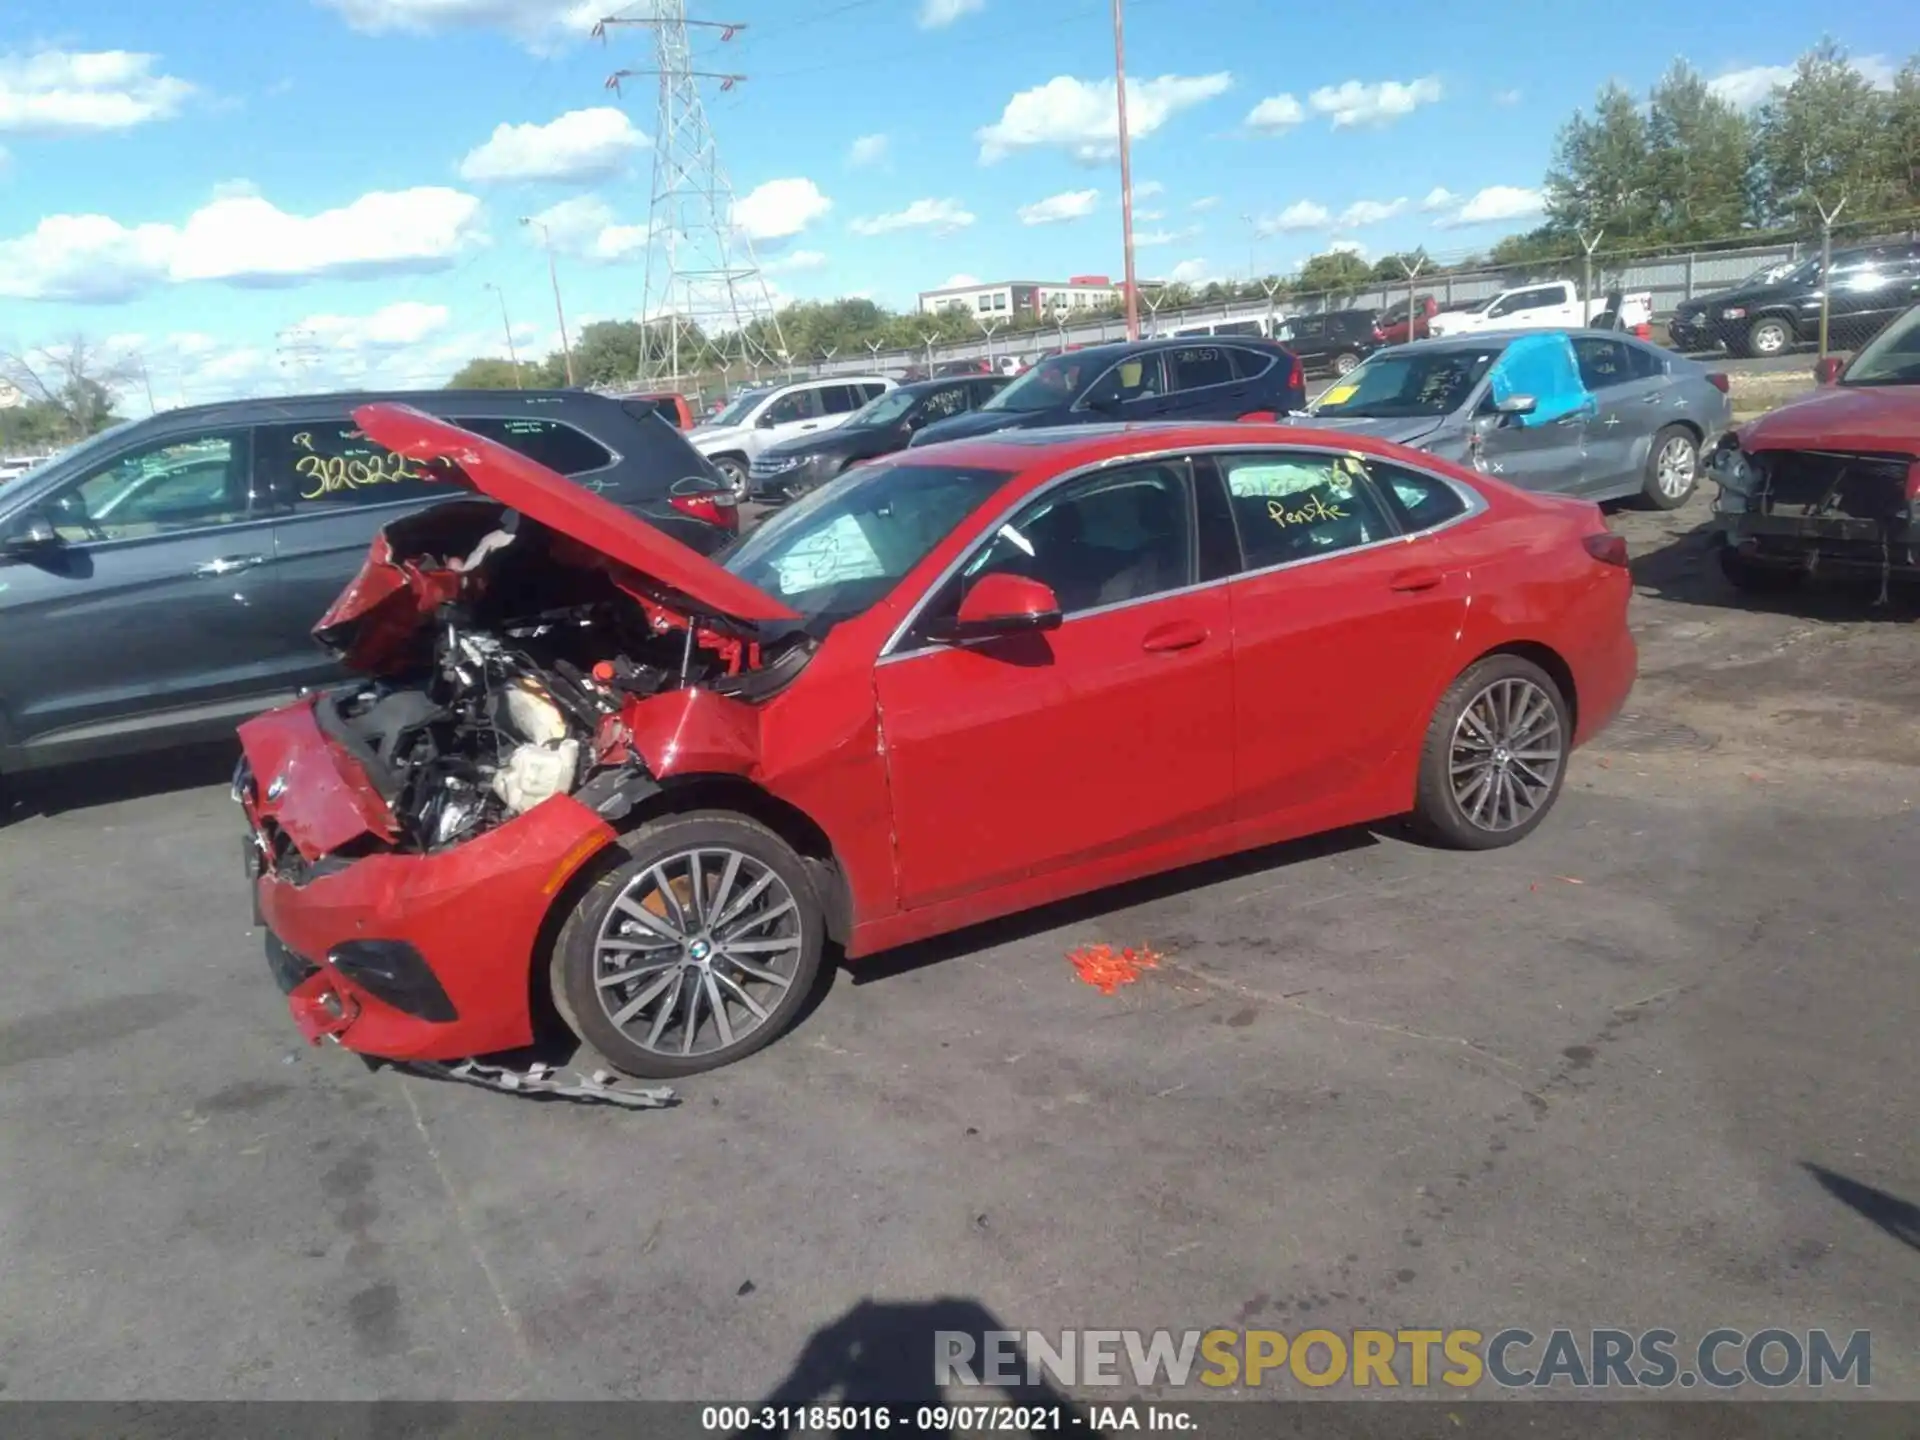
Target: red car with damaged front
[958, 682]
[1829, 482]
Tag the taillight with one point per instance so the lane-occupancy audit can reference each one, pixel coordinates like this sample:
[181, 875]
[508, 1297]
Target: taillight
[1718, 381]
[1297, 376]
[1913, 482]
[714, 509]
[1607, 548]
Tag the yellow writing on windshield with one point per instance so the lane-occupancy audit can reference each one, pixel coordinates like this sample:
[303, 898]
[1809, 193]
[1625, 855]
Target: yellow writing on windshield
[1314, 509]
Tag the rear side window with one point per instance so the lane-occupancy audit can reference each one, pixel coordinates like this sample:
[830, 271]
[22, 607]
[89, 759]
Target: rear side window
[1645, 364]
[1420, 501]
[1193, 367]
[558, 447]
[1300, 505]
[1310, 327]
[1249, 364]
[839, 399]
[331, 464]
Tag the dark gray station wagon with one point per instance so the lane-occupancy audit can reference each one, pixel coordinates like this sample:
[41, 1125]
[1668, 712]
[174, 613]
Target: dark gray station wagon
[159, 581]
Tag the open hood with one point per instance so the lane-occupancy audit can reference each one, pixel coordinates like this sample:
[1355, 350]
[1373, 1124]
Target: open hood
[1842, 417]
[552, 500]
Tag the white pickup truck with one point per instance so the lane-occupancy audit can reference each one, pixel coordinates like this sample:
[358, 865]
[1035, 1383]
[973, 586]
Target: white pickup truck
[1550, 305]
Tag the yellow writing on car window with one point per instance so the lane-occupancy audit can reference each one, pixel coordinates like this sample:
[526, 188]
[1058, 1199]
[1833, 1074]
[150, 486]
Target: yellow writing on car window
[1314, 509]
[1339, 394]
[331, 475]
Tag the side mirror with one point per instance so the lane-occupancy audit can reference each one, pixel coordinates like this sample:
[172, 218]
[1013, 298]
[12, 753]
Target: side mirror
[27, 534]
[1514, 407]
[1001, 605]
[1827, 370]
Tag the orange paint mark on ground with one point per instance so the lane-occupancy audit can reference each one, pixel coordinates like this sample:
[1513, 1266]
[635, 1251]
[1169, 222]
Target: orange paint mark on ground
[1107, 969]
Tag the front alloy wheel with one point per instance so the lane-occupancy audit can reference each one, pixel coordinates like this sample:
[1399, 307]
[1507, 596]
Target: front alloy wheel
[695, 952]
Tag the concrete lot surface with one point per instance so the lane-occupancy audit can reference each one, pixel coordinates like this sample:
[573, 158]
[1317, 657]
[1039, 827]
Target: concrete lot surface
[1654, 1067]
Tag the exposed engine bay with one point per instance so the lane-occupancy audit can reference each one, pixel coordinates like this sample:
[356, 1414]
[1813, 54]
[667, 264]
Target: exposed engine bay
[507, 660]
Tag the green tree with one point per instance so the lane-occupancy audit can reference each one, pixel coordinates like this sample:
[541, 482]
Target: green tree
[1602, 175]
[487, 373]
[1700, 160]
[1335, 271]
[1902, 147]
[1824, 138]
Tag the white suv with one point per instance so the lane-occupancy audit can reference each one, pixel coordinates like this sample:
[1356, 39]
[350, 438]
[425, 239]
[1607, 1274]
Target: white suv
[756, 419]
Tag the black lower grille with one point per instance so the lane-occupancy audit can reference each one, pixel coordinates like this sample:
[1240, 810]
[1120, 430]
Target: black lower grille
[1809, 484]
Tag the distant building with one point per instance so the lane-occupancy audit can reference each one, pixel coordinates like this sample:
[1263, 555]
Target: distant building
[1007, 299]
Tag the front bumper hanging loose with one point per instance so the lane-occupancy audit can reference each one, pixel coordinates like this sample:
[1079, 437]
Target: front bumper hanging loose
[602, 1087]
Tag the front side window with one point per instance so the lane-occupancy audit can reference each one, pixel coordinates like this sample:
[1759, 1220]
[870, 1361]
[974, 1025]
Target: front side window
[1291, 506]
[1195, 367]
[1137, 377]
[736, 411]
[327, 464]
[1891, 358]
[559, 447]
[843, 547]
[1101, 540]
[1047, 386]
[188, 482]
[800, 405]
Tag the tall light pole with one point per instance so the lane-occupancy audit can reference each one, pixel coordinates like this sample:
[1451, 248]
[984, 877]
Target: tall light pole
[513, 356]
[553, 273]
[1126, 168]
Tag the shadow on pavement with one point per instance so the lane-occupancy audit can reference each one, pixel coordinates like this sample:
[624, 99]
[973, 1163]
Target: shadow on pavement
[1899, 1218]
[1114, 897]
[884, 1353]
[1687, 570]
[103, 782]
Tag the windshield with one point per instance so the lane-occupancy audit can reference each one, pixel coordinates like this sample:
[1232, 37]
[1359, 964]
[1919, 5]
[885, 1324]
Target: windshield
[839, 550]
[1046, 386]
[1776, 272]
[1892, 357]
[737, 410]
[1401, 384]
[889, 409]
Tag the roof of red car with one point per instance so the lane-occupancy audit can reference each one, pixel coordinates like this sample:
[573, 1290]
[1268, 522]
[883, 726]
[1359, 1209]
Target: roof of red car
[1065, 446]
[552, 500]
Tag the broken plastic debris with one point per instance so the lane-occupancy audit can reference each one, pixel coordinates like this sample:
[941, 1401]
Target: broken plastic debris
[1106, 969]
[541, 1079]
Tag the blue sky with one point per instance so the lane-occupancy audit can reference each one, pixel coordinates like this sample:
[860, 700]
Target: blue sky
[195, 182]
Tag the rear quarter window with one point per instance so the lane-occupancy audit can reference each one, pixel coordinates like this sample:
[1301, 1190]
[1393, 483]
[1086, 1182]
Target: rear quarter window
[556, 445]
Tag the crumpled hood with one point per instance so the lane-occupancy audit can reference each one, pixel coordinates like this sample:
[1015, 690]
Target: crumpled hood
[1841, 417]
[1407, 431]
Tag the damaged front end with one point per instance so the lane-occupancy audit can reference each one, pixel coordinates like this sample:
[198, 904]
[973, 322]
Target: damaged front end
[524, 691]
[1819, 510]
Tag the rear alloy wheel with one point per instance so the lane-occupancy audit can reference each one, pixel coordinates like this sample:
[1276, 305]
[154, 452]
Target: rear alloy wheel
[1768, 335]
[1495, 756]
[1757, 577]
[695, 951]
[1673, 468]
[734, 472]
[1345, 362]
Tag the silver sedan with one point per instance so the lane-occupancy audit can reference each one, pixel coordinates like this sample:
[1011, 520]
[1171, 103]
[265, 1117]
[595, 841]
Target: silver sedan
[1592, 413]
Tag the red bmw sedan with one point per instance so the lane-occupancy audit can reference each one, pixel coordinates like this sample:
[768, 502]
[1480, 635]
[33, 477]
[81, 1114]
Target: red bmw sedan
[958, 682]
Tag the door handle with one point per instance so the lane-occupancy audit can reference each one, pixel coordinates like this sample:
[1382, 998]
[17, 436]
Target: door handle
[1422, 578]
[228, 564]
[1178, 635]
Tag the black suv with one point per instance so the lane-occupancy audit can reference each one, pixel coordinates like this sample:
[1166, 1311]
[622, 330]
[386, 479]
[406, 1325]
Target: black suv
[1145, 380]
[1779, 307]
[1335, 341]
[790, 469]
[159, 581]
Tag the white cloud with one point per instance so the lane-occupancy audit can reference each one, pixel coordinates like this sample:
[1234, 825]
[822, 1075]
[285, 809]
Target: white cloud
[1755, 84]
[1301, 215]
[241, 239]
[620, 242]
[1506, 97]
[1146, 238]
[1347, 247]
[1188, 272]
[1148, 188]
[1080, 117]
[1358, 103]
[585, 226]
[798, 260]
[936, 13]
[1149, 215]
[1276, 115]
[581, 145]
[867, 150]
[72, 92]
[1205, 202]
[1438, 198]
[1370, 212]
[779, 209]
[1067, 205]
[939, 216]
[1495, 203]
[235, 189]
[535, 22]
[392, 327]
[959, 281]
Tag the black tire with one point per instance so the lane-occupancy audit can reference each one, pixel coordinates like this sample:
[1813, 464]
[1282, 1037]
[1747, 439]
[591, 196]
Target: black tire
[1653, 491]
[1345, 363]
[1438, 815]
[574, 974]
[1769, 335]
[1757, 577]
[733, 470]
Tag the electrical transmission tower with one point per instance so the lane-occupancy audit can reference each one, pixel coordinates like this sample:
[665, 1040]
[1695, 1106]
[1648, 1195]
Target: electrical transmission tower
[703, 284]
[299, 353]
